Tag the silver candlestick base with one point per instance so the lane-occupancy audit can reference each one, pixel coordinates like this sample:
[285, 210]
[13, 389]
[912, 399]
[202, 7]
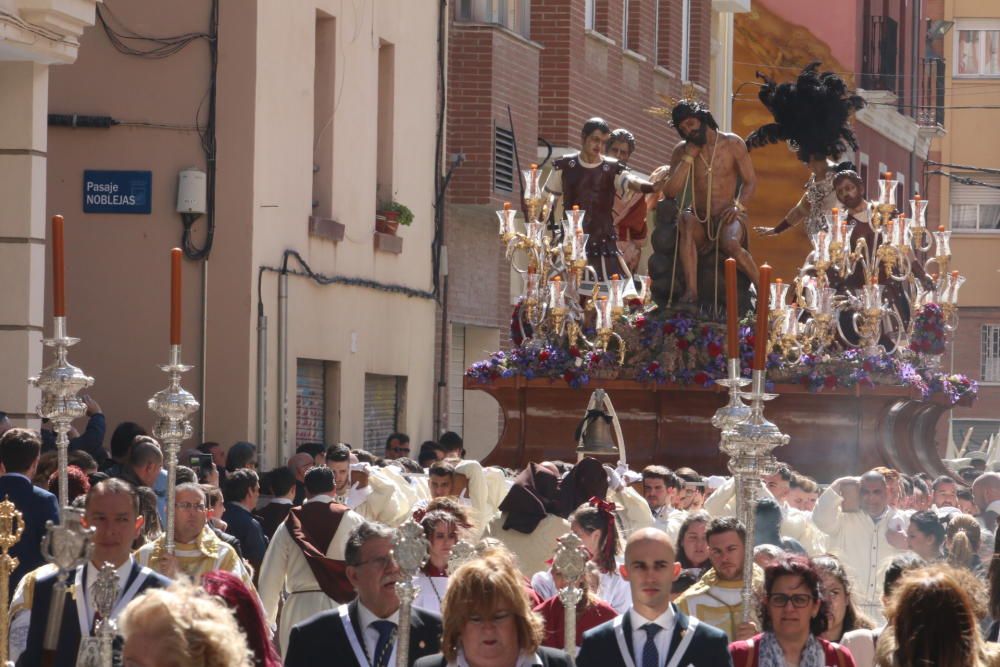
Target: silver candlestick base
[570, 561]
[67, 546]
[59, 383]
[749, 445]
[173, 405]
[736, 410]
[410, 551]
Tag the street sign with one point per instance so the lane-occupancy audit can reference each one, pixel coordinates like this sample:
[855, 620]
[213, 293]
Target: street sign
[117, 191]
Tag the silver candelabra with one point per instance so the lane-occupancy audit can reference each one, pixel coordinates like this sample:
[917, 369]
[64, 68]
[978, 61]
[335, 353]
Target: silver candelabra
[570, 561]
[173, 405]
[410, 551]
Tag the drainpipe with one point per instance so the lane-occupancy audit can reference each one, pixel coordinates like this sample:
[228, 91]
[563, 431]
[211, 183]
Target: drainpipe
[262, 374]
[283, 360]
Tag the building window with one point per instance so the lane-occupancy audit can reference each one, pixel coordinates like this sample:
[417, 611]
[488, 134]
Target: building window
[514, 15]
[631, 25]
[685, 40]
[503, 160]
[324, 72]
[385, 118]
[385, 409]
[665, 21]
[977, 49]
[990, 357]
[976, 207]
[597, 16]
[863, 173]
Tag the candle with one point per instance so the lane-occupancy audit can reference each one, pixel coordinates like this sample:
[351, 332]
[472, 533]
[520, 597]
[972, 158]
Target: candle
[940, 228]
[58, 268]
[175, 296]
[732, 325]
[760, 335]
[887, 176]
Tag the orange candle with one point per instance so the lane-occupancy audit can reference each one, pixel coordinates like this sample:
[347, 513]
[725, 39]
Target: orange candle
[175, 296]
[58, 268]
[763, 310]
[732, 325]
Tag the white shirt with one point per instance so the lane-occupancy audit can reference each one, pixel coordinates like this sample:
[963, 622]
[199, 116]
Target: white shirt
[662, 638]
[90, 579]
[365, 620]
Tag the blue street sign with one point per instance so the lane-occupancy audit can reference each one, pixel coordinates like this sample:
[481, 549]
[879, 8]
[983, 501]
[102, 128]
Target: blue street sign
[117, 191]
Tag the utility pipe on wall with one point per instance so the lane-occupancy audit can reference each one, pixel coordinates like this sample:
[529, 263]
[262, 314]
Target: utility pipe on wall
[283, 363]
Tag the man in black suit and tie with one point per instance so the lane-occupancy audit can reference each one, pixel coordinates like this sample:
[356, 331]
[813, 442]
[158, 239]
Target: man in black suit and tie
[19, 452]
[112, 510]
[654, 632]
[363, 632]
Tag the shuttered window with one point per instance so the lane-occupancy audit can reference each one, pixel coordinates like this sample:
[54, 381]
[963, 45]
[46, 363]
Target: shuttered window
[976, 207]
[385, 403]
[310, 402]
[503, 160]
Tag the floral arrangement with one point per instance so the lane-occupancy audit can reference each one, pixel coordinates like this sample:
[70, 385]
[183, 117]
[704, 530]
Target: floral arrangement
[677, 348]
[928, 330]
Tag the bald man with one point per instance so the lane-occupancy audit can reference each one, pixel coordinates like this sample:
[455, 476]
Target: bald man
[986, 493]
[653, 632]
[299, 464]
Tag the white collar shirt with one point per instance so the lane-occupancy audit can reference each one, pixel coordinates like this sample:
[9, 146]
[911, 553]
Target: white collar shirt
[365, 619]
[661, 640]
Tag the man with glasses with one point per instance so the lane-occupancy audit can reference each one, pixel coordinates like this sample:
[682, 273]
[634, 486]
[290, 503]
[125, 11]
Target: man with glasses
[197, 549]
[363, 632]
[397, 446]
[305, 558]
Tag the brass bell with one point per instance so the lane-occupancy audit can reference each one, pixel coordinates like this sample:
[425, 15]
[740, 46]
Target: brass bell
[594, 434]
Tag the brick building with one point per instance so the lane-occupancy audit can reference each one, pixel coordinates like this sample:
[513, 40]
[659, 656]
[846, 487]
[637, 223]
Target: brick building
[524, 76]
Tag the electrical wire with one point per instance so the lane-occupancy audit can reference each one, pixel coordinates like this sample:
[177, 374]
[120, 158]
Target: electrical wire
[154, 48]
[963, 167]
[964, 180]
[323, 279]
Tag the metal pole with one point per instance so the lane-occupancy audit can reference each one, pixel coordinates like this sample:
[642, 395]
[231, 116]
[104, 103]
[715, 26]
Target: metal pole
[262, 381]
[570, 561]
[204, 346]
[282, 364]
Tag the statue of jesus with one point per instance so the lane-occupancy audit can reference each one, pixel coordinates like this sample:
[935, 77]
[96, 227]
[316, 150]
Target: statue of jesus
[715, 168]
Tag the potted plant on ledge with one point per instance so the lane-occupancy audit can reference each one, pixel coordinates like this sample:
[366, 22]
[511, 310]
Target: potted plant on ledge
[390, 215]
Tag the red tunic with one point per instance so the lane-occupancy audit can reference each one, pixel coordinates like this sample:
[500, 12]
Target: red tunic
[552, 613]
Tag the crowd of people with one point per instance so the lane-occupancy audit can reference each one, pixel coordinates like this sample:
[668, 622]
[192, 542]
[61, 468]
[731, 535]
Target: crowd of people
[295, 566]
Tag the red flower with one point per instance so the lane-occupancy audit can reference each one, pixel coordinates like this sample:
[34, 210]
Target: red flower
[640, 322]
[668, 328]
[574, 351]
[595, 357]
[701, 377]
[830, 382]
[653, 366]
[683, 344]
[568, 376]
[705, 331]
[868, 366]
[714, 349]
[543, 355]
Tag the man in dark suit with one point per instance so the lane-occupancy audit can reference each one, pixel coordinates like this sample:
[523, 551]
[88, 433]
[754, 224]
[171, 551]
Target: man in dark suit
[19, 452]
[654, 632]
[363, 632]
[112, 510]
[283, 488]
[241, 490]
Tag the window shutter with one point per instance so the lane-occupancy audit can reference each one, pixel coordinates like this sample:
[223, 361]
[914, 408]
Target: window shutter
[503, 160]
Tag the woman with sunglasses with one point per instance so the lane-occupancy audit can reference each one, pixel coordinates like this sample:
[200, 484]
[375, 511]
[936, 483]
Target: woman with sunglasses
[794, 615]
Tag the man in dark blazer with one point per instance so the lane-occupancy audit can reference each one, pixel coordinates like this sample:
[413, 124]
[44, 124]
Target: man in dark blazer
[112, 510]
[363, 632]
[654, 632]
[19, 452]
[241, 490]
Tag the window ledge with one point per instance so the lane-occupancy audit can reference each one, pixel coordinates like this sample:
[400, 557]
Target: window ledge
[973, 77]
[663, 71]
[593, 34]
[500, 28]
[632, 55]
[325, 228]
[388, 243]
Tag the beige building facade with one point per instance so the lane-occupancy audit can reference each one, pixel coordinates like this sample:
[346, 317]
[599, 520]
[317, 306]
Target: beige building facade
[34, 37]
[304, 323]
[971, 50]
